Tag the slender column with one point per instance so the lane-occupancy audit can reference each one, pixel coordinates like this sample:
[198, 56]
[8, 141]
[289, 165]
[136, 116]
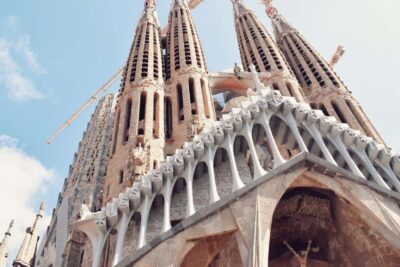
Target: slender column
[345, 154]
[167, 206]
[122, 229]
[122, 226]
[236, 181]
[371, 169]
[189, 186]
[211, 172]
[258, 169]
[278, 159]
[143, 222]
[318, 139]
[293, 126]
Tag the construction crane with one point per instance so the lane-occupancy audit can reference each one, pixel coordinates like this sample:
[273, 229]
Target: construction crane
[336, 57]
[95, 96]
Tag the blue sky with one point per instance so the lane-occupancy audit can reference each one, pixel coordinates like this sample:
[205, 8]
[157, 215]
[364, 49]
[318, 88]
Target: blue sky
[54, 54]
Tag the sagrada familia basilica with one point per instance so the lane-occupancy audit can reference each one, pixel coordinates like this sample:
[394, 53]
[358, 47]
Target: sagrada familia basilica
[289, 172]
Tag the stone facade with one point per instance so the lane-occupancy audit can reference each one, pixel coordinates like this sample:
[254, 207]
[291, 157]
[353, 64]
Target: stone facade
[84, 185]
[274, 182]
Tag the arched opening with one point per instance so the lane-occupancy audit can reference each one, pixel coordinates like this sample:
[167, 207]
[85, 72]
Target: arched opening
[275, 86]
[340, 161]
[109, 248]
[181, 111]
[127, 124]
[310, 143]
[168, 117]
[121, 177]
[223, 173]
[142, 114]
[213, 251]
[132, 234]
[357, 111]
[263, 147]
[339, 112]
[201, 185]
[291, 91]
[192, 96]
[325, 230]
[156, 218]
[244, 160]
[156, 116]
[178, 202]
[284, 138]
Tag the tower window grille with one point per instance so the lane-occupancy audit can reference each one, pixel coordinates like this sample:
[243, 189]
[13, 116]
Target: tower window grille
[156, 51]
[186, 45]
[136, 54]
[196, 43]
[176, 42]
[145, 57]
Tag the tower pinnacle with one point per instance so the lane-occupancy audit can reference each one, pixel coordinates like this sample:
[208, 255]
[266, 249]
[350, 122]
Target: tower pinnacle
[321, 85]
[4, 246]
[27, 251]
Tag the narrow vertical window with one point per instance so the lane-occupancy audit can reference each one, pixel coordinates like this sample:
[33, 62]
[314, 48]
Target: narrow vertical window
[205, 98]
[181, 111]
[192, 95]
[116, 128]
[168, 118]
[291, 91]
[127, 123]
[142, 113]
[156, 115]
[121, 177]
[275, 86]
[339, 113]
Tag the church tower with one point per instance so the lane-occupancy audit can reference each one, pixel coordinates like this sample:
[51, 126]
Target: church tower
[259, 49]
[189, 104]
[322, 86]
[138, 138]
[4, 246]
[26, 253]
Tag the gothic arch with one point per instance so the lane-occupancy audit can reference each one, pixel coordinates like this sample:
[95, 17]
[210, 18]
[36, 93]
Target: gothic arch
[201, 186]
[156, 217]
[178, 210]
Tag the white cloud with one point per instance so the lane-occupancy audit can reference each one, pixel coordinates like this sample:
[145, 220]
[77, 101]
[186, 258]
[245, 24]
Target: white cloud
[17, 57]
[24, 47]
[19, 87]
[22, 179]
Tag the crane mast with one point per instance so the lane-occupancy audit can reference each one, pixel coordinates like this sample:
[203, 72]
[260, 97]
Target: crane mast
[93, 98]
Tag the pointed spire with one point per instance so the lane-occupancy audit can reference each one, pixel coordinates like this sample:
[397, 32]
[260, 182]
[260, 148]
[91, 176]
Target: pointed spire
[27, 251]
[4, 246]
[280, 24]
